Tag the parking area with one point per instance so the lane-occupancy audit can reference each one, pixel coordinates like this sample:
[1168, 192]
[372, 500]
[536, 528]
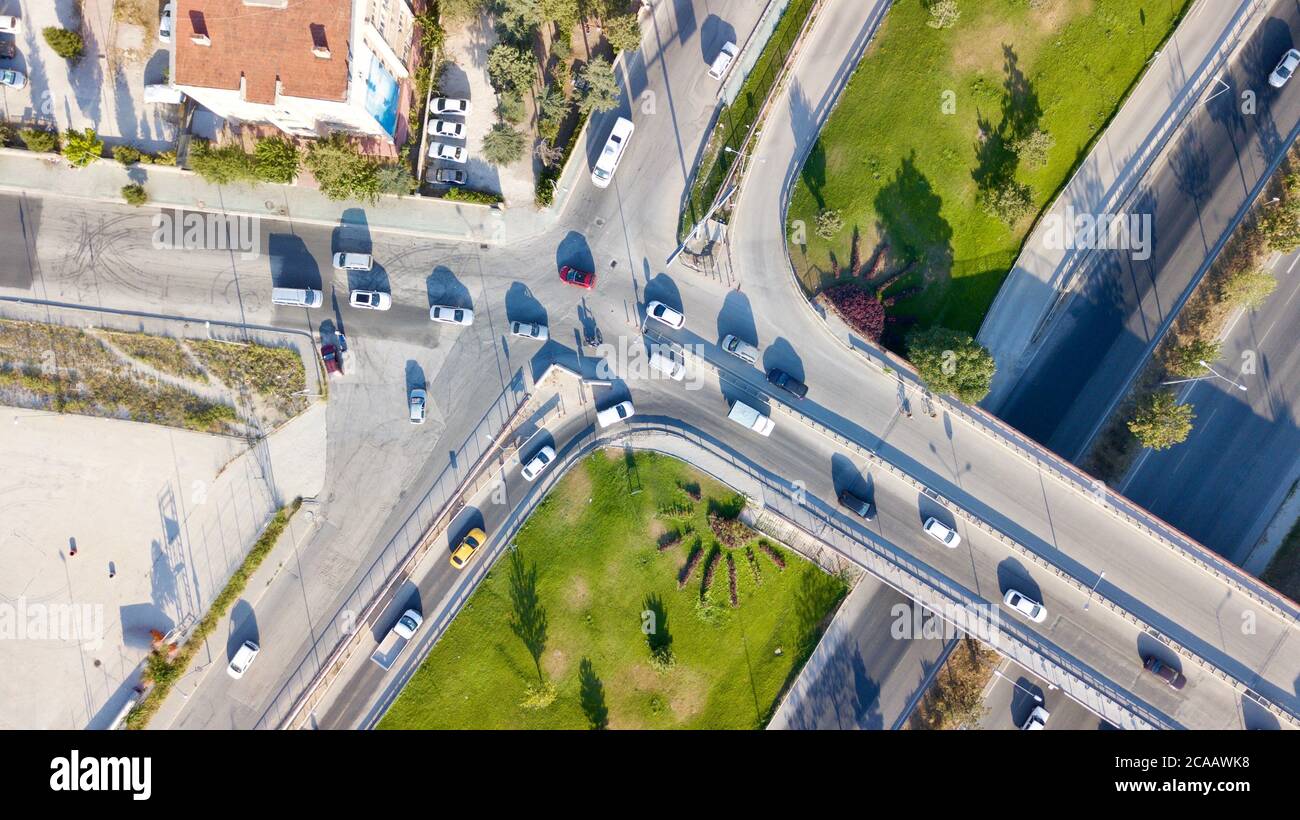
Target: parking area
[104, 89]
[465, 76]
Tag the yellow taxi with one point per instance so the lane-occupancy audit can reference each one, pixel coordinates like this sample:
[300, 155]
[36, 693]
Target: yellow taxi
[468, 545]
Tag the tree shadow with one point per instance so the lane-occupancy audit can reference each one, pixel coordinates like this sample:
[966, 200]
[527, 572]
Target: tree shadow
[995, 157]
[591, 693]
[910, 220]
[657, 636]
[528, 617]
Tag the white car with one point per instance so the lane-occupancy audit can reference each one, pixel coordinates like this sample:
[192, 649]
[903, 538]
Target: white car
[1285, 68]
[451, 153]
[244, 657]
[353, 261]
[370, 300]
[742, 350]
[613, 415]
[529, 330]
[723, 61]
[1037, 719]
[415, 405]
[1028, 607]
[10, 24]
[13, 79]
[942, 533]
[447, 128]
[661, 312]
[539, 463]
[449, 105]
[668, 361]
[449, 315]
[165, 23]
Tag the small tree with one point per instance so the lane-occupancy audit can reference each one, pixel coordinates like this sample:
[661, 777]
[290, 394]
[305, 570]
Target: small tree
[950, 361]
[223, 165]
[67, 44]
[1034, 148]
[1160, 421]
[1280, 225]
[623, 32]
[503, 144]
[510, 106]
[1249, 288]
[509, 67]
[829, 223]
[598, 85]
[1185, 360]
[40, 140]
[341, 170]
[81, 148]
[943, 14]
[1008, 201]
[564, 13]
[134, 194]
[276, 160]
[395, 179]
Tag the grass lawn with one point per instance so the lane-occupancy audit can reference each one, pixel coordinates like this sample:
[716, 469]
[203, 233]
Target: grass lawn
[1283, 572]
[575, 597]
[929, 117]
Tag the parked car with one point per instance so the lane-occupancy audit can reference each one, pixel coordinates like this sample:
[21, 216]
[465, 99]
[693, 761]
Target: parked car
[451, 315]
[788, 383]
[723, 61]
[739, 348]
[10, 24]
[668, 361]
[578, 278]
[416, 404]
[468, 545]
[447, 128]
[370, 300]
[12, 78]
[333, 363]
[449, 105]
[538, 463]
[860, 506]
[165, 23]
[529, 330]
[1171, 676]
[1037, 719]
[353, 261]
[662, 313]
[942, 533]
[451, 153]
[445, 176]
[244, 657]
[613, 415]
[1028, 607]
[1285, 68]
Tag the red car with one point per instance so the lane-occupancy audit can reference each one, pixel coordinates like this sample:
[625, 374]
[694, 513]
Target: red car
[333, 364]
[578, 278]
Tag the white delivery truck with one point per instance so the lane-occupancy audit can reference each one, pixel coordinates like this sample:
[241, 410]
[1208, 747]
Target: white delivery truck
[395, 641]
[747, 416]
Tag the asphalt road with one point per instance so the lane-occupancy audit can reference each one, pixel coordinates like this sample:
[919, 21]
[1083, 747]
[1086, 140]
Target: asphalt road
[1014, 692]
[1223, 485]
[1192, 193]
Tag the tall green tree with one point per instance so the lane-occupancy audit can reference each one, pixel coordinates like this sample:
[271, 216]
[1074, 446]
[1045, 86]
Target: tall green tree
[1160, 422]
[341, 171]
[951, 362]
[598, 85]
[623, 32]
[511, 68]
[1249, 288]
[503, 144]
[80, 148]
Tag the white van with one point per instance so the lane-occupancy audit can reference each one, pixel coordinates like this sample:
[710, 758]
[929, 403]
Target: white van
[297, 297]
[244, 657]
[723, 61]
[747, 416]
[607, 164]
[668, 362]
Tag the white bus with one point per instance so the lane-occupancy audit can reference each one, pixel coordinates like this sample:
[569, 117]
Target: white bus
[607, 164]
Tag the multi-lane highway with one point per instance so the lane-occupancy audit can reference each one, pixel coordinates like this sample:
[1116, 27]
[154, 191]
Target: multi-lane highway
[381, 466]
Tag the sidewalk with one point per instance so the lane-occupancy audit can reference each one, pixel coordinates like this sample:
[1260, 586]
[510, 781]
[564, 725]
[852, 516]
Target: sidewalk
[168, 187]
[1144, 125]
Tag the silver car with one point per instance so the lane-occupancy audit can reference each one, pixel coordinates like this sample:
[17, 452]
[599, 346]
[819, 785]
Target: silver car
[451, 153]
[539, 462]
[1285, 68]
[529, 330]
[449, 315]
[13, 79]
[447, 128]
[1026, 606]
[415, 404]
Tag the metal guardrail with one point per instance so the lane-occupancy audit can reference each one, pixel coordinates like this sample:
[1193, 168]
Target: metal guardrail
[411, 537]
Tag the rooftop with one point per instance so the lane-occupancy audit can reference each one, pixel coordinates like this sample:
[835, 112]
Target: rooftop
[301, 43]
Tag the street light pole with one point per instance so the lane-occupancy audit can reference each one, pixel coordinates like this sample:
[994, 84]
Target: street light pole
[1088, 602]
[1214, 374]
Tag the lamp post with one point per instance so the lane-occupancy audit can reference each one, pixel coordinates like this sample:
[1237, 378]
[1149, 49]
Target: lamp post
[1214, 374]
[1037, 698]
[1088, 602]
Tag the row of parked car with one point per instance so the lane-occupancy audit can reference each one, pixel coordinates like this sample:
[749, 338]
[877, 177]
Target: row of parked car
[441, 126]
